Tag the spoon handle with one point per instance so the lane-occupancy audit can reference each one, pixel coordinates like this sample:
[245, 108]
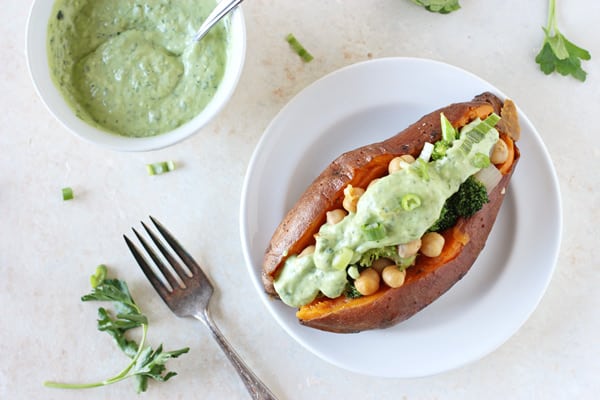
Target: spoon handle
[221, 10]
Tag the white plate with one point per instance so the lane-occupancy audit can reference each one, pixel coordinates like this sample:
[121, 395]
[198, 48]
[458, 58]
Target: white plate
[368, 102]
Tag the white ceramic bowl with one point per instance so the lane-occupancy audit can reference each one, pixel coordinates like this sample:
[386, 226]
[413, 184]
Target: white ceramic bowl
[39, 70]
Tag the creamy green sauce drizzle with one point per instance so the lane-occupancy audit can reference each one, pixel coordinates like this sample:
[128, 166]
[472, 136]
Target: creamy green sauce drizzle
[129, 66]
[382, 220]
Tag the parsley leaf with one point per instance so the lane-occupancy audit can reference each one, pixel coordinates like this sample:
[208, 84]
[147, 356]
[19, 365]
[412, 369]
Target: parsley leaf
[439, 6]
[145, 363]
[558, 53]
[151, 364]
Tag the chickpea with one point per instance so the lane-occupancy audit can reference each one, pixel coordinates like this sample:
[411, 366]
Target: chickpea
[499, 152]
[351, 196]
[432, 244]
[379, 264]
[368, 282]
[409, 249]
[308, 250]
[335, 216]
[393, 276]
[399, 163]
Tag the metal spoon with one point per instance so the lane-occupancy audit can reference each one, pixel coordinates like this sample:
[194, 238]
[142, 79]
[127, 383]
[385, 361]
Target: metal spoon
[222, 9]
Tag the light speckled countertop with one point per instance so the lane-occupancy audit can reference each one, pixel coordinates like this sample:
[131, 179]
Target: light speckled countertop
[49, 247]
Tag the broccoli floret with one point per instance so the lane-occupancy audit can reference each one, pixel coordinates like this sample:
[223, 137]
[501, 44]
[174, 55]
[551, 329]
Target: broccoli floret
[447, 219]
[351, 291]
[439, 149]
[389, 252]
[469, 199]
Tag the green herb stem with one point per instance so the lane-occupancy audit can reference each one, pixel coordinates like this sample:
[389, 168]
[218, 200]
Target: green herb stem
[124, 374]
[551, 24]
[558, 54]
[145, 363]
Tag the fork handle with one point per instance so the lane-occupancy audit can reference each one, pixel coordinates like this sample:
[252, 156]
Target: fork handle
[255, 387]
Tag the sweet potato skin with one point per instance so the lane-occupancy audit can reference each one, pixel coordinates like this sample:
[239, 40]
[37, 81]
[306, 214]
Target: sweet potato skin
[358, 167]
[425, 281]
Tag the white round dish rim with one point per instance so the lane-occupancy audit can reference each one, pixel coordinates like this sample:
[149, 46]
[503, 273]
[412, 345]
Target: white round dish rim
[481, 311]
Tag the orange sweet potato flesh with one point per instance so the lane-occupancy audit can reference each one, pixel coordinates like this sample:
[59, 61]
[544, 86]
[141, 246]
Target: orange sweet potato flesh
[429, 278]
[426, 281]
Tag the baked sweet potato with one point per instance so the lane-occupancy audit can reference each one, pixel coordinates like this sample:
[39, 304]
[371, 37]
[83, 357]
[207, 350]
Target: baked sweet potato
[429, 277]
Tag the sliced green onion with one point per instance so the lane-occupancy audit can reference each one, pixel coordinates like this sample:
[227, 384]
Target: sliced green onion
[353, 272]
[298, 48]
[160, 167]
[67, 193]
[426, 152]
[374, 231]
[410, 201]
[342, 258]
[480, 160]
[490, 177]
[448, 131]
[472, 137]
[487, 124]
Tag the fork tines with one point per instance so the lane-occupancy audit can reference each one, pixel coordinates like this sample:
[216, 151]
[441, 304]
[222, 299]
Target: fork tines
[174, 276]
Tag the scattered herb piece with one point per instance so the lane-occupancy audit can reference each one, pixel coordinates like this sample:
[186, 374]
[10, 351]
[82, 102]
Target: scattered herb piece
[145, 362]
[298, 48]
[449, 133]
[374, 231]
[67, 193]
[59, 15]
[439, 6]
[99, 276]
[481, 161]
[410, 201]
[559, 54]
[351, 292]
[160, 167]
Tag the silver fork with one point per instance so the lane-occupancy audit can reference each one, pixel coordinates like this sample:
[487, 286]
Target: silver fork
[191, 299]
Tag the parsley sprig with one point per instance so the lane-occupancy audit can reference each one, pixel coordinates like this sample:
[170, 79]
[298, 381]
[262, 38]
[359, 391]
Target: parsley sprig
[146, 363]
[559, 54]
[439, 6]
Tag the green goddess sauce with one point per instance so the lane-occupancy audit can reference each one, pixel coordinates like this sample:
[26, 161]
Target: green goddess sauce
[383, 219]
[130, 67]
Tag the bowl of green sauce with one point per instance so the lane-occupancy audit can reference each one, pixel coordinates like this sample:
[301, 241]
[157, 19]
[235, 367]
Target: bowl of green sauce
[126, 74]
